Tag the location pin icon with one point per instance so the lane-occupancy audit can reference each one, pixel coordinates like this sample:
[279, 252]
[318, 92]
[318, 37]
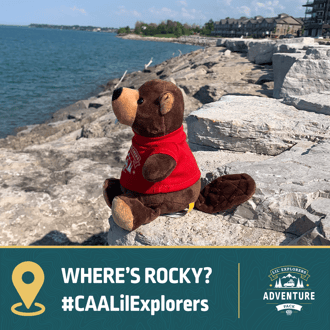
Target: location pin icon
[28, 292]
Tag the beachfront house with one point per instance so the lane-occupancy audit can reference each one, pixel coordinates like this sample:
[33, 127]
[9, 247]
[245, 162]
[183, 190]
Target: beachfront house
[258, 27]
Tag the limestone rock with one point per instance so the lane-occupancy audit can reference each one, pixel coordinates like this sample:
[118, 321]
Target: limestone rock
[317, 53]
[325, 227]
[254, 124]
[64, 113]
[316, 102]
[306, 77]
[312, 237]
[227, 53]
[103, 126]
[261, 52]
[289, 188]
[282, 64]
[289, 48]
[237, 45]
[297, 75]
[194, 229]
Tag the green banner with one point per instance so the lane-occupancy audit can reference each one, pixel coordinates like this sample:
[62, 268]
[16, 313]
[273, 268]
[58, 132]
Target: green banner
[165, 288]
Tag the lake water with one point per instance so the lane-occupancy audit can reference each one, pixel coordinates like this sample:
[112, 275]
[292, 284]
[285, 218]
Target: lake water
[43, 70]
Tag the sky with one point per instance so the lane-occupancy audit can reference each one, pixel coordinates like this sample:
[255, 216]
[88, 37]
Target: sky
[110, 13]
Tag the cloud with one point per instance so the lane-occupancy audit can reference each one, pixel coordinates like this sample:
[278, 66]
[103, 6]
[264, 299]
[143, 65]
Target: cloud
[83, 11]
[269, 8]
[192, 14]
[183, 3]
[244, 10]
[227, 2]
[164, 11]
[184, 13]
[124, 11]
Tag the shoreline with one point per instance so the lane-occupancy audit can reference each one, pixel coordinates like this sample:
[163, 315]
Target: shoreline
[79, 110]
[190, 40]
[96, 90]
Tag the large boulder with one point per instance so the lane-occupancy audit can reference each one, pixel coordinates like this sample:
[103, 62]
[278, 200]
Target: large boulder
[299, 74]
[316, 102]
[238, 45]
[254, 124]
[282, 63]
[261, 51]
[288, 187]
[289, 48]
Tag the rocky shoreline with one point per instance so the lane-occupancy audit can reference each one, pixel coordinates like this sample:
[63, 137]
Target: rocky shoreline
[51, 175]
[190, 40]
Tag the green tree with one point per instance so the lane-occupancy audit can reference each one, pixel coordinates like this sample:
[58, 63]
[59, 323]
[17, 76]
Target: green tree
[121, 30]
[178, 31]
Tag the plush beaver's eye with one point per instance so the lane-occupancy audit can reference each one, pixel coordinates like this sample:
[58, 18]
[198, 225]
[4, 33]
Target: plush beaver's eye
[140, 100]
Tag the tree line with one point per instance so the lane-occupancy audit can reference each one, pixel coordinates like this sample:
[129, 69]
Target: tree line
[169, 28]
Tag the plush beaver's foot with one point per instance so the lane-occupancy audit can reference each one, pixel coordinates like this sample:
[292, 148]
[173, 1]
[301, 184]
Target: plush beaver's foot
[111, 189]
[225, 192]
[130, 213]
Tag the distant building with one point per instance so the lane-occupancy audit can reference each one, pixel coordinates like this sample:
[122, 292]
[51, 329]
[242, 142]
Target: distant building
[317, 18]
[259, 27]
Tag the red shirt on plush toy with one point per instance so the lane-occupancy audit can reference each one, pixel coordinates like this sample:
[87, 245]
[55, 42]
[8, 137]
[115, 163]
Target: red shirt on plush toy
[184, 175]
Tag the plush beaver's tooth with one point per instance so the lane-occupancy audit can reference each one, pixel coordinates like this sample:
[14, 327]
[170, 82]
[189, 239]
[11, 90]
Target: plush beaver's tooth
[122, 214]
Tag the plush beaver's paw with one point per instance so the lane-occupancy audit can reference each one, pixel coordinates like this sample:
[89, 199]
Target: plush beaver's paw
[225, 192]
[122, 214]
[129, 213]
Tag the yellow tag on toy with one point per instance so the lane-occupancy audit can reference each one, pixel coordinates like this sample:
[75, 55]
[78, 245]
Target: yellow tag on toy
[180, 213]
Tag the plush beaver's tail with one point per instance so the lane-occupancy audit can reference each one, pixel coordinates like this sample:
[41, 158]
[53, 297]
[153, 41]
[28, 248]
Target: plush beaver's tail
[225, 192]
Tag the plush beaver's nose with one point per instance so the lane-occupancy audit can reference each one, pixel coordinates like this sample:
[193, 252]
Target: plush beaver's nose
[117, 92]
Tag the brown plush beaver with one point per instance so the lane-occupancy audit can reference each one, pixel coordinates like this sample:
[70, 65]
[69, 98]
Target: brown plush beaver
[161, 175]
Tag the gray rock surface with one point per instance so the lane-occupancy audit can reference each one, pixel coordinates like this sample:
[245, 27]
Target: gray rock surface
[289, 187]
[235, 44]
[254, 124]
[282, 64]
[51, 194]
[306, 77]
[317, 53]
[194, 229]
[301, 74]
[289, 48]
[316, 102]
[192, 40]
[261, 51]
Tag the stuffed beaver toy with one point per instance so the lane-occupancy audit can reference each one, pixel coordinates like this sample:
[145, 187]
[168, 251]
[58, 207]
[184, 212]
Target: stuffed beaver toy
[161, 175]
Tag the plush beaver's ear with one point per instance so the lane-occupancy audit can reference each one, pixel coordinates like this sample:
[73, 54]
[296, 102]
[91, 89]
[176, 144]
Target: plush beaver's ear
[166, 102]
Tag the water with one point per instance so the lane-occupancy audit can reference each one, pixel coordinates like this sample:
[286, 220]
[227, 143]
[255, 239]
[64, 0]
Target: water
[43, 70]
